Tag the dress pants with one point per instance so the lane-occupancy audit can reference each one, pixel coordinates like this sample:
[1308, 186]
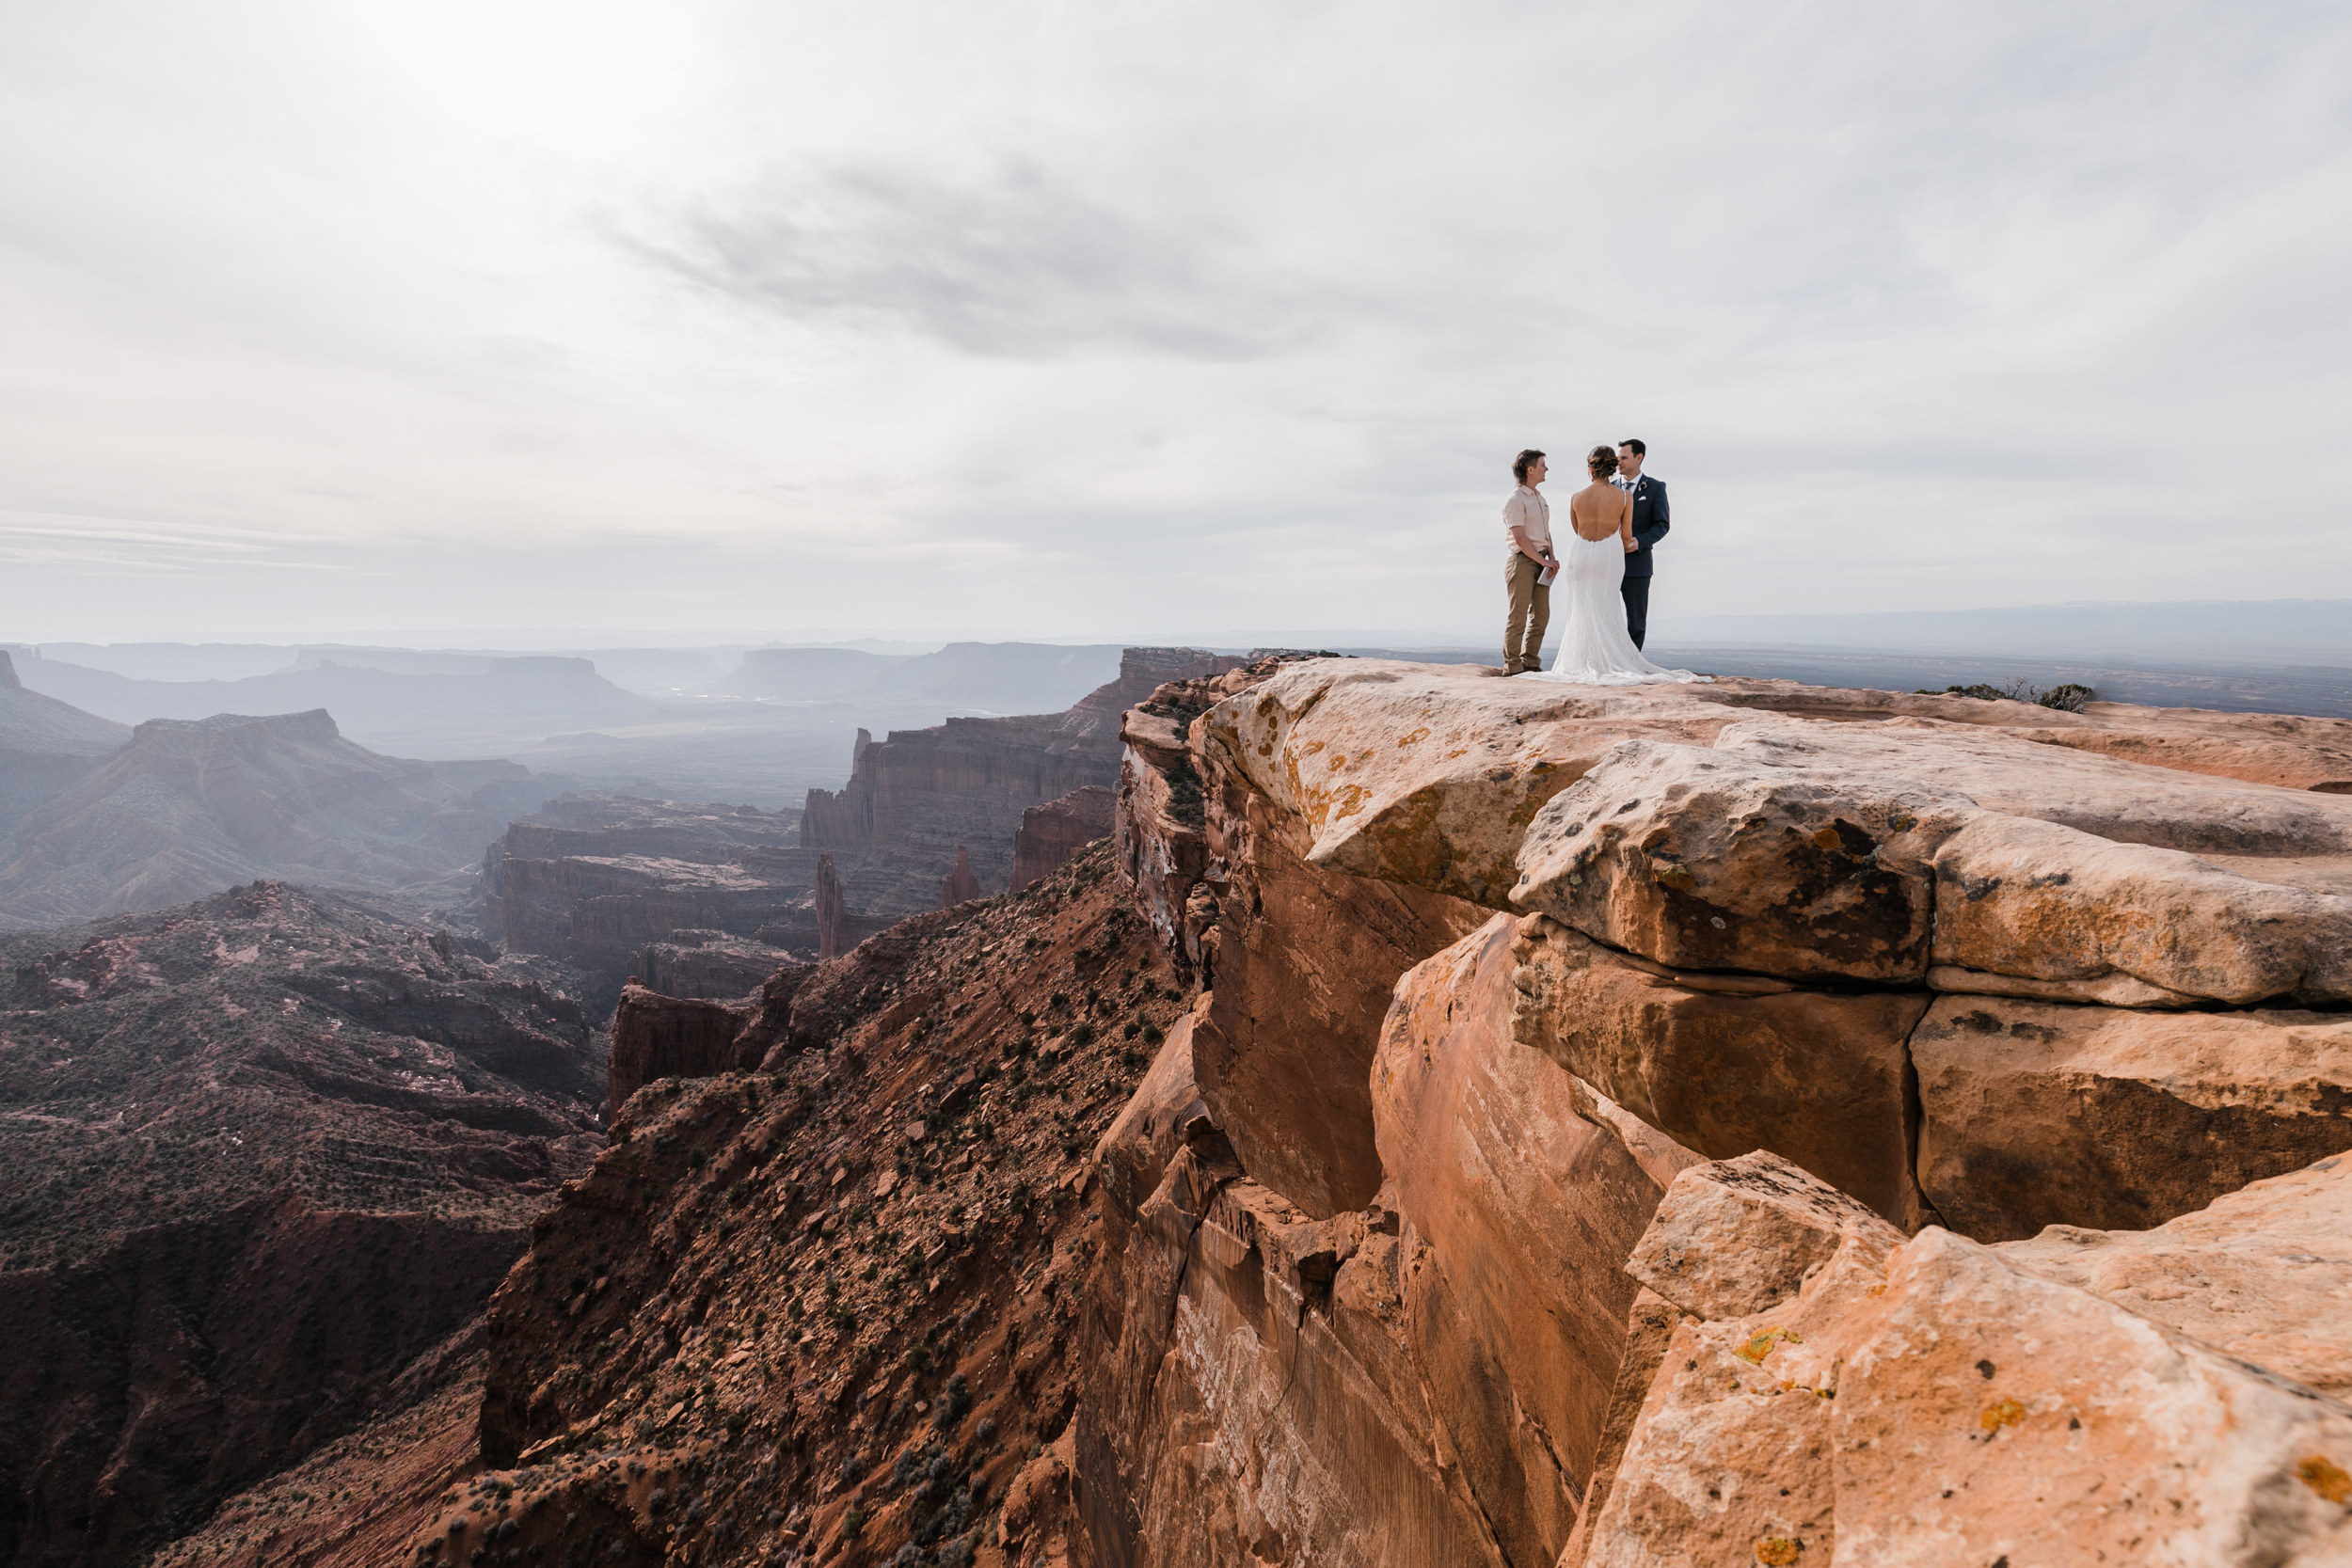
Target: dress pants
[1530, 612]
[1636, 594]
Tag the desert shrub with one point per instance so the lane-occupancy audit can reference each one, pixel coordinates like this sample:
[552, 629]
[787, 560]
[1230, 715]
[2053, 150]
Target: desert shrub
[2068, 698]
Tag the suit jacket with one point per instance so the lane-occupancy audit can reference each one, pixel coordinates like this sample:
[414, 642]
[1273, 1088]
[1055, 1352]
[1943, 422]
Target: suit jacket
[1649, 523]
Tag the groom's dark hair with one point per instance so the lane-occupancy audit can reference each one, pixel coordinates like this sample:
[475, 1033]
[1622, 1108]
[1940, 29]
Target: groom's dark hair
[1523, 462]
[1639, 450]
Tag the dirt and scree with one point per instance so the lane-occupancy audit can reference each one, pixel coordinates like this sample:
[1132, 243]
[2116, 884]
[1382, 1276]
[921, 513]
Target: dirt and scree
[825, 1312]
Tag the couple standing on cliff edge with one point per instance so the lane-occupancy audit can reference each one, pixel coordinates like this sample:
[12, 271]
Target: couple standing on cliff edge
[1612, 523]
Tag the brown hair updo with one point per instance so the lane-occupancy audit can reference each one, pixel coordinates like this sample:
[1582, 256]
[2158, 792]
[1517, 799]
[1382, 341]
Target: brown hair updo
[1602, 461]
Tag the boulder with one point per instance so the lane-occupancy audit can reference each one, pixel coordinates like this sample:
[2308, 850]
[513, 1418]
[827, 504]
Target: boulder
[2264, 1274]
[1706, 860]
[1727, 1064]
[2047, 902]
[2037, 1115]
[1938, 1400]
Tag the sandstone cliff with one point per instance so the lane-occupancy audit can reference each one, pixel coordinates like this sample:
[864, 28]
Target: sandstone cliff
[600, 880]
[1494, 968]
[914, 799]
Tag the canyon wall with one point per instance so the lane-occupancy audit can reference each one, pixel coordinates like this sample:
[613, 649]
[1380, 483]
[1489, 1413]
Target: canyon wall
[1544, 1033]
[602, 880]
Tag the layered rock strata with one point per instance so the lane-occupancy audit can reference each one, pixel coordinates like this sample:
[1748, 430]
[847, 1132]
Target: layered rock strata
[1051, 833]
[1490, 968]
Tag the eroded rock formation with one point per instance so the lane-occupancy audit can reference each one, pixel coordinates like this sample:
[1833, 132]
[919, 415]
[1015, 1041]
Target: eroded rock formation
[1492, 968]
[1051, 833]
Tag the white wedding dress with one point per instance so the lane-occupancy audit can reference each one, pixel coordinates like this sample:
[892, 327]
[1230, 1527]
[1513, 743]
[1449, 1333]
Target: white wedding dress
[1595, 648]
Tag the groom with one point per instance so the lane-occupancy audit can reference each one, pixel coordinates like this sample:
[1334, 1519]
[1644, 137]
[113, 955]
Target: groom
[1649, 526]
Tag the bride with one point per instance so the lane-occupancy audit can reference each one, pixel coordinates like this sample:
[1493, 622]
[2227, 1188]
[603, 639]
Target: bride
[1595, 649]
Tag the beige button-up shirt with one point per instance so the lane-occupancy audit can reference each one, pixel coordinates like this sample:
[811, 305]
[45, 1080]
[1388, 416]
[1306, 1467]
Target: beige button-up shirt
[1528, 512]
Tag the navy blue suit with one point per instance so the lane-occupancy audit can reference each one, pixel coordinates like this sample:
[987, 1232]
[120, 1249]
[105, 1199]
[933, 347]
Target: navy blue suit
[1650, 524]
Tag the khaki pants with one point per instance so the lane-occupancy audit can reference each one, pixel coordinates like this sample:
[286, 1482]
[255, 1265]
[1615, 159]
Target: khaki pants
[1530, 612]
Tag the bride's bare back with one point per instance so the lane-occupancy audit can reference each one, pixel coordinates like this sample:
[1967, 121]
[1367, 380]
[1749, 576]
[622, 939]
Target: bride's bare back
[1600, 509]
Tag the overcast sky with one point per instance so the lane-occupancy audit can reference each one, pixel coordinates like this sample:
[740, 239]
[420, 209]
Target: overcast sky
[320, 319]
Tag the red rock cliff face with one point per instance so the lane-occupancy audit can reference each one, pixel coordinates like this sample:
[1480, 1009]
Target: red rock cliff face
[1051, 833]
[1493, 969]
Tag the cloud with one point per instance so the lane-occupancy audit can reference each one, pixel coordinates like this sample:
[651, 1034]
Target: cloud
[1016, 262]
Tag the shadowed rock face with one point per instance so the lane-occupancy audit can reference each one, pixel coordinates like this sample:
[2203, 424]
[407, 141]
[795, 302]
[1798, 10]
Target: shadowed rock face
[193, 1358]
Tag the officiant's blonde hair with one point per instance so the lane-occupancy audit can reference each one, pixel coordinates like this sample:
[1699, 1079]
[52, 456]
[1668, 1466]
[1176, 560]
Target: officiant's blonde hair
[1601, 461]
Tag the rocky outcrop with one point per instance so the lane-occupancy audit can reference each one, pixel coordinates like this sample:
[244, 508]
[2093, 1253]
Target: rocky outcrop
[599, 880]
[1051, 833]
[960, 886]
[1891, 964]
[1940, 1401]
[706, 965]
[187, 809]
[668, 1036]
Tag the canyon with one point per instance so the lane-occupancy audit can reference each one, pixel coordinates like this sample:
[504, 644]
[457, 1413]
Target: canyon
[716, 896]
[1446, 1120]
[268, 1154]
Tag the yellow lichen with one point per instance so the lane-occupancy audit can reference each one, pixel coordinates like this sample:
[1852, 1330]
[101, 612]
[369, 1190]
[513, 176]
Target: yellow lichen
[1827, 838]
[2330, 1480]
[1761, 1343]
[2001, 1413]
[1777, 1551]
[1420, 734]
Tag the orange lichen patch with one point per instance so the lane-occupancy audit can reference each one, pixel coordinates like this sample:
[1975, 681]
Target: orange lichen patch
[2001, 1413]
[1350, 801]
[1419, 735]
[1339, 762]
[2330, 1480]
[1777, 1551]
[1827, 838]
[1762, 1343]
[1310, 748]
